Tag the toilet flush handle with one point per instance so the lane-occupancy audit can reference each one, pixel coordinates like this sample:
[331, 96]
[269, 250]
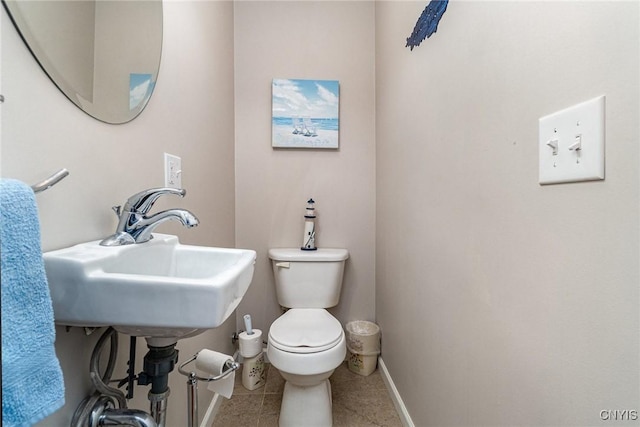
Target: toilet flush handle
[283, 264]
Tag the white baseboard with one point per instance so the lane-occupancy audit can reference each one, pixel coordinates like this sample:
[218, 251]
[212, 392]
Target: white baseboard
[212, 410]
[405, 418]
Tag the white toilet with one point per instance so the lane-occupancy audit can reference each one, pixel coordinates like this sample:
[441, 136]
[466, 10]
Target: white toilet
[306, 344]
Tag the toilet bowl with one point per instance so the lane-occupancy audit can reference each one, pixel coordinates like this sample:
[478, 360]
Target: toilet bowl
[306, 344]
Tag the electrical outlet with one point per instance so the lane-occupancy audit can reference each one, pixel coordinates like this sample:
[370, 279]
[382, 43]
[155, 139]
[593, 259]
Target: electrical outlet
[172, 171]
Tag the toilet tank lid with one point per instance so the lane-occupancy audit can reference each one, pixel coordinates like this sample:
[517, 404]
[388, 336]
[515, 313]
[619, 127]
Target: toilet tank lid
[297, 254]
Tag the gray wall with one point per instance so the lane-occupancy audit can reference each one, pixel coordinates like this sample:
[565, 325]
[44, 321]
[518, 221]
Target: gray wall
[190, 115]
[306, 40]
[502, 302]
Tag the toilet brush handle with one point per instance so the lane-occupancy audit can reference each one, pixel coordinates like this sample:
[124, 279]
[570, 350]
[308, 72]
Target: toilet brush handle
[247, 324]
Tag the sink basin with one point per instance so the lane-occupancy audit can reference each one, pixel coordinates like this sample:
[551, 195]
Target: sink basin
[157, 289]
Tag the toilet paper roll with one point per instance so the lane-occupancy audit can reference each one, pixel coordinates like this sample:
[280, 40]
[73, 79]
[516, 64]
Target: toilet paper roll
[212, 363]
[251, 345]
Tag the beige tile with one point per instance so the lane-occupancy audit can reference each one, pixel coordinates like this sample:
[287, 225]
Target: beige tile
[275, 382]
[268, 420]
[343, 417]
[358, 401]
[242, 404]
[271, 404]
[344, 379]
[375, 406]
[235, 420]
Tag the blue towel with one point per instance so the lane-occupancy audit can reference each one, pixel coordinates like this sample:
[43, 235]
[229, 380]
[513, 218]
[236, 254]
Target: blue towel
[32, 385]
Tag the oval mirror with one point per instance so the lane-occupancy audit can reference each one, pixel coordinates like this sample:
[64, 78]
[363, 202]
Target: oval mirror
[104, 55]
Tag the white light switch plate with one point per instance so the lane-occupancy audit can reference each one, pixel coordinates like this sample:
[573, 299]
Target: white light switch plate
[172, 171]
[576, 135]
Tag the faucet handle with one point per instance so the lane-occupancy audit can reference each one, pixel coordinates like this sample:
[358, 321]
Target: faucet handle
[143, 201]
[117, 210]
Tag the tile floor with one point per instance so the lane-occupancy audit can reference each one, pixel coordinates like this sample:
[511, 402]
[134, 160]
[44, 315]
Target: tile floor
[357, 402]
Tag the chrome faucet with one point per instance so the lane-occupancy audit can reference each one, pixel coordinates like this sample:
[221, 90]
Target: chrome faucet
[135, 226]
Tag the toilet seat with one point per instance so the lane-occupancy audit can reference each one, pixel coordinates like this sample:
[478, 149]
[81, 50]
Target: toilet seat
[305, 330]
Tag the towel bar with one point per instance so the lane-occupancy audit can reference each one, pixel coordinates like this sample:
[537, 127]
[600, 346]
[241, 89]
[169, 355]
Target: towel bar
[50, 182]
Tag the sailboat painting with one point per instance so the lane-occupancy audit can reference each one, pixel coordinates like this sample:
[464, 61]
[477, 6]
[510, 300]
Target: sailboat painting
[305, 113]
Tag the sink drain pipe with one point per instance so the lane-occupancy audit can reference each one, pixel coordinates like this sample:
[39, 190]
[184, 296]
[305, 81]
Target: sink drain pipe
[99, 409]
[107, 406]
[158, 363]
[125, 417]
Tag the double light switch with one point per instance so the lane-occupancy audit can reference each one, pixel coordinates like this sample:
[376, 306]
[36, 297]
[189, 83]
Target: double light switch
[571, 143]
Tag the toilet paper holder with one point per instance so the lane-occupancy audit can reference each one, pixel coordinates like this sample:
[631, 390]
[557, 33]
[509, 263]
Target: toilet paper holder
[192, 386]
[229, 367]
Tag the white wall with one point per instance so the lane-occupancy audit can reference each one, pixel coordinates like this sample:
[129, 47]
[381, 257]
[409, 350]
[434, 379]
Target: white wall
[190, 115]
[524, 297]
[71, 21]
[503, 302]
[306, 40]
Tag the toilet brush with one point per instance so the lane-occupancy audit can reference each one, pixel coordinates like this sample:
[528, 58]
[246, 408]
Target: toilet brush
[253, 373]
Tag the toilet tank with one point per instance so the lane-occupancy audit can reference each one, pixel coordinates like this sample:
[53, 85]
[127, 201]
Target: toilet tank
[308, 279]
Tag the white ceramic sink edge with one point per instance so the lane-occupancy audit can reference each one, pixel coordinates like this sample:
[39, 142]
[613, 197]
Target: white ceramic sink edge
[160, 288]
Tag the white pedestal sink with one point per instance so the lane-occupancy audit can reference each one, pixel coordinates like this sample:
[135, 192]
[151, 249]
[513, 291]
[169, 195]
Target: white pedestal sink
[161, 289]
